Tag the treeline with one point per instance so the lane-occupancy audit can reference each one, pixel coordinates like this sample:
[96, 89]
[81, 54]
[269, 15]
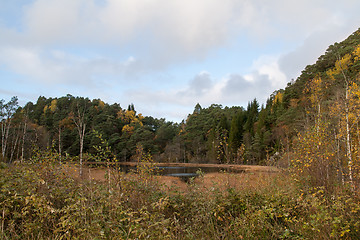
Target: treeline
[71, 126]
[68, 125]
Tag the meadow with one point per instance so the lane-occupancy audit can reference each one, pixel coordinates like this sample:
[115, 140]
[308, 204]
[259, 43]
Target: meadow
[45, 199]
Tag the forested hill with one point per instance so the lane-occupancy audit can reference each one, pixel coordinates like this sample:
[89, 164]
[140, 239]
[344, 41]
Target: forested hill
[326, 96]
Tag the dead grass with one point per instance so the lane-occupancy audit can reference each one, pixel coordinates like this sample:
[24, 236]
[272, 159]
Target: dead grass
[254, 177]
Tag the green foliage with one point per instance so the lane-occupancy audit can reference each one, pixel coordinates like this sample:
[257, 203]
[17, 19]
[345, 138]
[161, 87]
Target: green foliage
[237, 130]
[103, 150]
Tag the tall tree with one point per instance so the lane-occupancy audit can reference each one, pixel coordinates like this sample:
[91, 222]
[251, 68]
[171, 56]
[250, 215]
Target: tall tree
[25, 119]
[197, 109]
[341, 72]
[78, 117]
[6, 112]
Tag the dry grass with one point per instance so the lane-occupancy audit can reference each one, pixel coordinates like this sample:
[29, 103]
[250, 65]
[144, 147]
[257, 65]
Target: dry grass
[43, 201]
[255, 177]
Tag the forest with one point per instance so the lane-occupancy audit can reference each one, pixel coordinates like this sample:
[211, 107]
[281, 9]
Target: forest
[209, 135]
[310, 130]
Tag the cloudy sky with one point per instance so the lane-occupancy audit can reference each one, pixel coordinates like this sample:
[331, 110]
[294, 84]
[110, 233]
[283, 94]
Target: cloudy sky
[164, 55]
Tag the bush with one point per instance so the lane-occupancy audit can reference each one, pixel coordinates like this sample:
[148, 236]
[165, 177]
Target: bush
[42, 201]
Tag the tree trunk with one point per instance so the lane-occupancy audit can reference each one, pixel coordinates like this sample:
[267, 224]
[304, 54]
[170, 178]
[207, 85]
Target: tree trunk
[81, 135]
[5, 127]
[23, 139]
[79, 121]
[59, 143]
[14, 147]
[348, 143]
[3, 138]
[340, 169]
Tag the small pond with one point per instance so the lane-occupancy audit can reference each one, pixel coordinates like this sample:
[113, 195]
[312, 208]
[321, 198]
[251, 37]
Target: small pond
[183, 172]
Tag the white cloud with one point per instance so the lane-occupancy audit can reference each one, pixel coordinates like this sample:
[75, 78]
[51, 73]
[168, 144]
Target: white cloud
[292, 63]
[60, 22]
[57, 66]
[165, 32]
[186, 23]
[145, 38]
[230, 90]
[268, 66]
[193, 25]
[24, 61]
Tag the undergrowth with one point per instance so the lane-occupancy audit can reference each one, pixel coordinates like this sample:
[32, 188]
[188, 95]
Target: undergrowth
[41, 201]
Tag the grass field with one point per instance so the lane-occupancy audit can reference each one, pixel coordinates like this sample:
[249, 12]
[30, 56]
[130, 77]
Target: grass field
[50, 201]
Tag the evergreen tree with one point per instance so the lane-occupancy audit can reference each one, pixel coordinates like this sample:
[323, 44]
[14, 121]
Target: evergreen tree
[236, 131]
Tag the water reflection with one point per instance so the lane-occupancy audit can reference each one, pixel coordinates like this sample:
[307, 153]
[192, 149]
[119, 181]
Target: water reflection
[183, 172]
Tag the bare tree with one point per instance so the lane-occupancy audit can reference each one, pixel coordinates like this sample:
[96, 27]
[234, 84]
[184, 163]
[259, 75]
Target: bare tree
[78, 117]
[6, 112]
[348, 138]
[24, 134]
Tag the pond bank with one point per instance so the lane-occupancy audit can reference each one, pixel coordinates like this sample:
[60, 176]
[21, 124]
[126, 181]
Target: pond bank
[236, 167]
[239, 177]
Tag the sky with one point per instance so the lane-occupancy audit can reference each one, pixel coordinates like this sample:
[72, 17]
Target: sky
[164, 56]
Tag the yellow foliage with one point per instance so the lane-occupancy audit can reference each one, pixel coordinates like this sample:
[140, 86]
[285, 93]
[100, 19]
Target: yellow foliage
[46, 108]
[101, 104]
[278, 97]
[316, 88]
[53, 105]
[344, 62]
[126, 115]
[354, 102]
[356, 53]
[127, 128]
[313, 157]
[130, 117]
[340, 65]
[120, 114]
[140, 117]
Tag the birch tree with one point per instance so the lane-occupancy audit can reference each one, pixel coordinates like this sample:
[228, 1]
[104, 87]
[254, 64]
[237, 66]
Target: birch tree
[6, 112]
[25, 112]
[78, 117]
[345, 110]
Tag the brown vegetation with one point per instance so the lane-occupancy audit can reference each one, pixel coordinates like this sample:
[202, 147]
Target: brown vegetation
[252, 177]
